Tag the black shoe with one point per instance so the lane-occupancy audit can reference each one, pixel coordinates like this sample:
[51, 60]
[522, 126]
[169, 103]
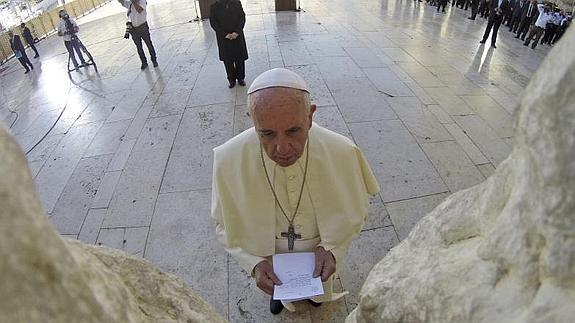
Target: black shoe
[144, 66]
[27, 71]
[36, 56]
[242, 82]
[232, 84]
[155, 63]
[525, 44]
[314, 304]
[533, 46]
[276, 307]
[517, 36]
[482, 42]
[31, 67]
[470, 18]
[493, 45]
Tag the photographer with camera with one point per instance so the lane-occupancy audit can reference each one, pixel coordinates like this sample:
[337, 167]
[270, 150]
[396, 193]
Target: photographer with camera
[137, 26]
[68, 29]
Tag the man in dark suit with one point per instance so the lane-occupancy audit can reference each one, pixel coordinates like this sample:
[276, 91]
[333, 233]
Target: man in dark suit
[507, 18]
[528, 18]
[28, 38]
[497, 10]
[516, 17]
[19, 51]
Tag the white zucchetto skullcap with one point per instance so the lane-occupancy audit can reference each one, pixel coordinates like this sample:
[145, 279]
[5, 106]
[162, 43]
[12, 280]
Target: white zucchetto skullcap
[278, 77]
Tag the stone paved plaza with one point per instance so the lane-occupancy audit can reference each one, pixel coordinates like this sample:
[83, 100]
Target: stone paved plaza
[128, 157]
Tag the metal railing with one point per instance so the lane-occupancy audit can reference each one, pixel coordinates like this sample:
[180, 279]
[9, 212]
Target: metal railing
[46, 23]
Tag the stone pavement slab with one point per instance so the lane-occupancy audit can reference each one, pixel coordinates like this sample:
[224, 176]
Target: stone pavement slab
[399, 164]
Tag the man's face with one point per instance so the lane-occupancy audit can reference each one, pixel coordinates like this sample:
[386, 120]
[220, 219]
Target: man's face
[282, 123]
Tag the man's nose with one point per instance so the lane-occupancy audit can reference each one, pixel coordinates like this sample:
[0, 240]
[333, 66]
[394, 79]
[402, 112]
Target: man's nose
[282, 146]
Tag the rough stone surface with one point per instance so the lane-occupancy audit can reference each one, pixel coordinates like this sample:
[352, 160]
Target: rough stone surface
[503, 250]
[49, 279]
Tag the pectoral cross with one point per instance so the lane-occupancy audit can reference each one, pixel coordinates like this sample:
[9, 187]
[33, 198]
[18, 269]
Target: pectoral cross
[291, 235]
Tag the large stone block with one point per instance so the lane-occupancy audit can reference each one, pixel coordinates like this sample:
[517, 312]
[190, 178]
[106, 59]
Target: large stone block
[46, 278]
[503, 250]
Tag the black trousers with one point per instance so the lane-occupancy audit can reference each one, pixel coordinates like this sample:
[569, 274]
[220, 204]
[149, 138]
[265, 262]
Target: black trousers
[25, 62]
[142, 32]
[514, 23]
[474, 5]
[493, 23]
[440, 4]
[549, 34]
[31, 43]
[236, 70]
[72, 46]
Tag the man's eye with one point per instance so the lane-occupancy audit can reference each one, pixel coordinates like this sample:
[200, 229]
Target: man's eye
[293, 130]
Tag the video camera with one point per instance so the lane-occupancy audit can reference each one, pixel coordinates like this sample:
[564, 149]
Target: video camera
[129, 27]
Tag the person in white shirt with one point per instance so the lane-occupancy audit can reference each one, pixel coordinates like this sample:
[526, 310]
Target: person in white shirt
[288, 185]
[552, 26]
[539, 27]
[67, 29]
[140, 30]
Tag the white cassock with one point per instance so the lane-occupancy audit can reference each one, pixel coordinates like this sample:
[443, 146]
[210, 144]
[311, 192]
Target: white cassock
[334, 202]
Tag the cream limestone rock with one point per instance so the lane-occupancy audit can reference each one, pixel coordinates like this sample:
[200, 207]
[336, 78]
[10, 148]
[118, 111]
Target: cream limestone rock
[49, 279]
[503, 250]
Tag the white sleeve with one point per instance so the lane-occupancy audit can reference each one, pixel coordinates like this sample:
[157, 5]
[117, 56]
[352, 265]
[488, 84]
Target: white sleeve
[246, 260]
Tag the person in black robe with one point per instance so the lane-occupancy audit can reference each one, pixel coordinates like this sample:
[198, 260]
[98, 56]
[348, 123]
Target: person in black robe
[227, 18]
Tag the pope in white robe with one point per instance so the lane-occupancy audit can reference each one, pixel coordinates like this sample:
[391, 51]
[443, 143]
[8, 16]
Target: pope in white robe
[329, 182]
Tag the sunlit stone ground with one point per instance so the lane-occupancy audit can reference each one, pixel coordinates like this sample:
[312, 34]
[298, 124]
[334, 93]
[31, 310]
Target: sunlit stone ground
[128, 164]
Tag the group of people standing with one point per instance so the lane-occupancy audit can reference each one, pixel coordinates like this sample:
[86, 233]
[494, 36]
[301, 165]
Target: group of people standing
[528, 19]
[68, 28]
[19, 49]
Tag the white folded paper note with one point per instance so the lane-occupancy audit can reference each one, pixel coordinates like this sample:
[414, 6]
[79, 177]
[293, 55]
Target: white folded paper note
[295, 271]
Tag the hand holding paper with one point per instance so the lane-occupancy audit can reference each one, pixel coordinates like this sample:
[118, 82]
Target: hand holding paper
[265, 277]
[324, 264]
[295, 270]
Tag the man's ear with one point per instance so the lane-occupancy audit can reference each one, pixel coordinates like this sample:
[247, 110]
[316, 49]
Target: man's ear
[312, 109]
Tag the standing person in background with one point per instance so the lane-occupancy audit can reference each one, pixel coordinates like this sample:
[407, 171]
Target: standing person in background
[484, 8]
[67, 29]
[497, 10]
[474, 5]
[551, 27]
[140, 31]
[442, 3]
[516, 17]
[19, 51]
[562, 27]
[228, 19]
[539, 27]
[28, 38]
[509, 16]
[528, 17]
